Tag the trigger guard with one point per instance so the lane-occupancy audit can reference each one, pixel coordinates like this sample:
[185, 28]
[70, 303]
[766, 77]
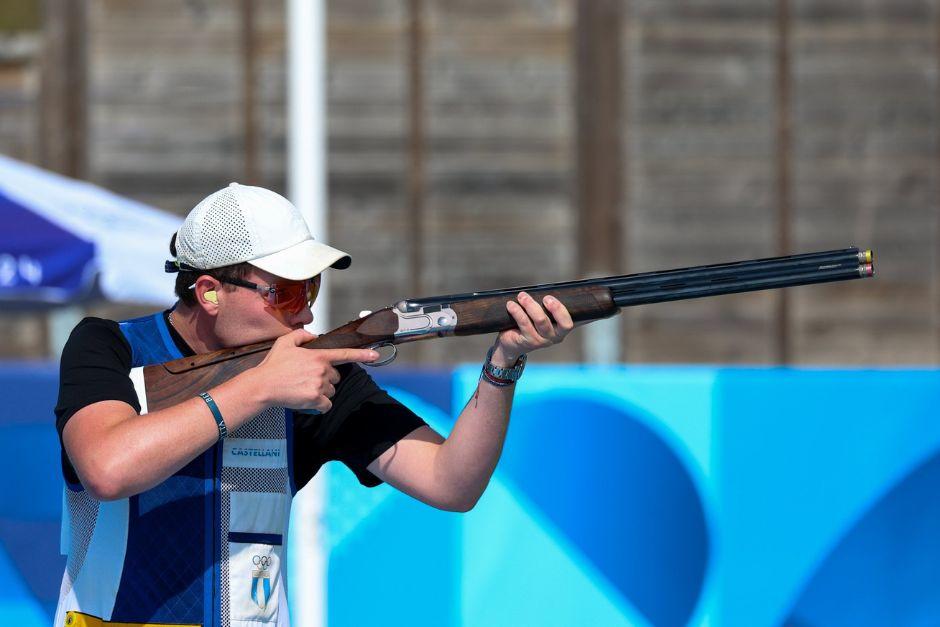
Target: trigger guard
[385, 361]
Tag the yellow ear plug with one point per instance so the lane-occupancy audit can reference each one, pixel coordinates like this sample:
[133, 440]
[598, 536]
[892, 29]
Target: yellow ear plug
[211, 297]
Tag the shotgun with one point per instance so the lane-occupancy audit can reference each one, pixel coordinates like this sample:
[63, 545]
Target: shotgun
[485, 312]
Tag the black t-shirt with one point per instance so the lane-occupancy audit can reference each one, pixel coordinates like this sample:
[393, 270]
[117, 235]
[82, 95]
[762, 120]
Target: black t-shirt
[363, 423]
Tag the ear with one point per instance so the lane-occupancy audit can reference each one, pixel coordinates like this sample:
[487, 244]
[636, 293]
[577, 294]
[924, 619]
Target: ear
[207, 294]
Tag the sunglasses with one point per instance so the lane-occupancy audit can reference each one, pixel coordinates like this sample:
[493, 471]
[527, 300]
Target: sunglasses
[289, 296]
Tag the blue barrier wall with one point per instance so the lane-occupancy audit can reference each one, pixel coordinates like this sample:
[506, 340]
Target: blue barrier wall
[668, 496]
[625, 496]
[30, 564]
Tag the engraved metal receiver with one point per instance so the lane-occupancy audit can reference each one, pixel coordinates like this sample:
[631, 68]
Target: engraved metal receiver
[415, 320]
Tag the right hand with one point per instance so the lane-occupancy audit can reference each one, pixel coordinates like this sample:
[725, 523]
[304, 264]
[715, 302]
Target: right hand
[304, 378]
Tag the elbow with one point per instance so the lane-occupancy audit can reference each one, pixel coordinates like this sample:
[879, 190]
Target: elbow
[464, 497]
[106, 461]
[462, 503]
[463, 508]
[456, 507]
[102, 490]
[459, 491]
[103, 482]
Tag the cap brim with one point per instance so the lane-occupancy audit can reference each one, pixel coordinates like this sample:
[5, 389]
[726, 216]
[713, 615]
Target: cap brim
[303, 261]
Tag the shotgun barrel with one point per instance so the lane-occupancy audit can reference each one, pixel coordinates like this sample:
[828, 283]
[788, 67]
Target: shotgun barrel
[852, 258]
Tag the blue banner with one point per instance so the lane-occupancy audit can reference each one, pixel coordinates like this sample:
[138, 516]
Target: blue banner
[646, 496]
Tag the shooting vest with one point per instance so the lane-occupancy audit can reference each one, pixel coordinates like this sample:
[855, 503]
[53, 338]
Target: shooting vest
[205, 547]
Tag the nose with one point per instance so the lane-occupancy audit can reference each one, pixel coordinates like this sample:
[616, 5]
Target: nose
[303, 317]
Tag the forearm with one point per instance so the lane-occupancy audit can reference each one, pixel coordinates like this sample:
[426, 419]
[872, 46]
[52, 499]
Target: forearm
[139, 452]
[467, 459]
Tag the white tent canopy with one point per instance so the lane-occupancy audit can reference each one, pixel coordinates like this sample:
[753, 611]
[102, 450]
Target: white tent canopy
[121, 242]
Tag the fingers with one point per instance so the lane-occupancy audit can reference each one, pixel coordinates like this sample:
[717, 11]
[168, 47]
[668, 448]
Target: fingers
[539, 318]
[522, 319]
[307, 379]
[324, 405]
[322, 402]
[332, 376]
[535, 326]
[296, 337]
[325, 371]
[559, 312]
[338, 356]
[335, 356]
[534, 322]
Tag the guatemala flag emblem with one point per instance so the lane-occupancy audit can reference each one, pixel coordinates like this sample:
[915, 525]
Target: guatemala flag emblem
[260, 581]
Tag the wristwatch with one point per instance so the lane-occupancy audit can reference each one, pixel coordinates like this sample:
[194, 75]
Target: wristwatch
[507, 375]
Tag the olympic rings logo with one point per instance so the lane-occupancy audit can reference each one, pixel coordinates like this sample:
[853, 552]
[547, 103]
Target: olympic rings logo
[261, 561]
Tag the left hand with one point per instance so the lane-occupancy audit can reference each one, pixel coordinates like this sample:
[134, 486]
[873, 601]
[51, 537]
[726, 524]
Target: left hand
[535, 329]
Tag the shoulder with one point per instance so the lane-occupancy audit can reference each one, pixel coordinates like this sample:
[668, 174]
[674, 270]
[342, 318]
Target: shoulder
[94, 337]
[95, 329]
[95, 365]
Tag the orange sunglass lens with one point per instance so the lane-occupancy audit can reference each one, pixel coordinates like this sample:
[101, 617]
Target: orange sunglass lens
[292, 297]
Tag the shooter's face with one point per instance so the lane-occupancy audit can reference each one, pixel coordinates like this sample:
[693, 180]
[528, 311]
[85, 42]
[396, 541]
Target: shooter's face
[245, 317]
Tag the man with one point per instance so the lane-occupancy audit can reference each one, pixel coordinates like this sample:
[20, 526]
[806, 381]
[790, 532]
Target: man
[179, 516]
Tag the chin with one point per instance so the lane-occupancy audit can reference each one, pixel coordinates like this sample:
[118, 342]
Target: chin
[253, 329]
[259, 335]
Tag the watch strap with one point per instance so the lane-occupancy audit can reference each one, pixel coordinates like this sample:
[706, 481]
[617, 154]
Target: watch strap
[511, 374]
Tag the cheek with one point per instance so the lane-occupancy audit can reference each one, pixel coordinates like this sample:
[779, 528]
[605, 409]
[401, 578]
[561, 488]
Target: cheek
[247, 322]
[227, 327]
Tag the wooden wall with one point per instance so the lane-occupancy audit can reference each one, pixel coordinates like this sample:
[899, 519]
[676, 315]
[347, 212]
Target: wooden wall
[704, 109]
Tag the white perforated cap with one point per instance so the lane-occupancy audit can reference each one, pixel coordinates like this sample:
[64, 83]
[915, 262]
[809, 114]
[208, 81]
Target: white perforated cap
[241, 223]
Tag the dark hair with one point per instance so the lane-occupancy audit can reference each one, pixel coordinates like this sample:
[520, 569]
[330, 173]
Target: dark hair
[185, 278]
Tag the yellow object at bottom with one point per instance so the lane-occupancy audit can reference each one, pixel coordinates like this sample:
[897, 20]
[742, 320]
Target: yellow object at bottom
[77, 619]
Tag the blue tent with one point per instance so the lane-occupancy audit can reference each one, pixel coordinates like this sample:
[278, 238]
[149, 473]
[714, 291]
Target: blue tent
[60, 238]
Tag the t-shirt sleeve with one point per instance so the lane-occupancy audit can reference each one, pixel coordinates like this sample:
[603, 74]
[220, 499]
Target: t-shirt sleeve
[363, 423]
[95, 365]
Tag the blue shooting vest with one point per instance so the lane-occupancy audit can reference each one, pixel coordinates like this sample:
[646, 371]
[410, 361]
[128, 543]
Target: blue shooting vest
[205, 547]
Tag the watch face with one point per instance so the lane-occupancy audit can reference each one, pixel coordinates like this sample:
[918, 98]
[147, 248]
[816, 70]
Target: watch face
[508, 374]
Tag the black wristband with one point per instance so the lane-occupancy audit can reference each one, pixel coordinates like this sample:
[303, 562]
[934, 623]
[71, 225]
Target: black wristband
[219, 421]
